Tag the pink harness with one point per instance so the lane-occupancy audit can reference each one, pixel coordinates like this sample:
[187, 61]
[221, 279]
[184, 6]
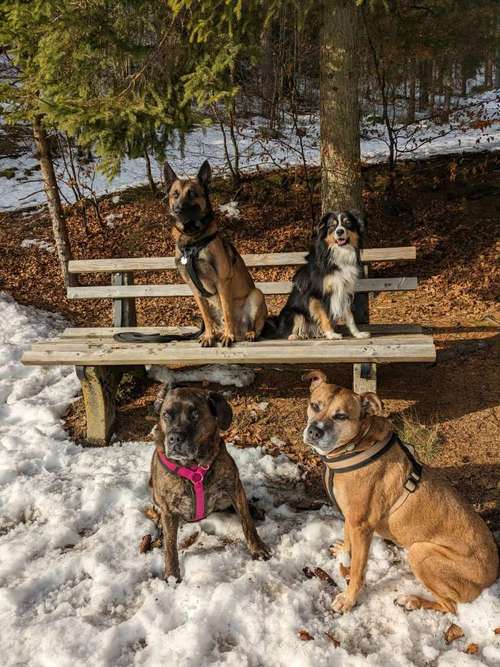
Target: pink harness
[196, 475]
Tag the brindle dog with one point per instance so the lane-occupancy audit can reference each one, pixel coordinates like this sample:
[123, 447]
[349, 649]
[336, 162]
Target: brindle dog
[188, 433]
[231, 306]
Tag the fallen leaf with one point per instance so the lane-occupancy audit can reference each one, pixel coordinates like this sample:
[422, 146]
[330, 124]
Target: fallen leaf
[304, 636]
[189, 540]
[497, 631]
[334, 641]
[324, 576]
[453, 632]
[472, 649]
[145, 544]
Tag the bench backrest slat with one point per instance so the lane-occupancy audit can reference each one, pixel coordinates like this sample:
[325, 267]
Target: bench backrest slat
[284, 287]
[260, 260]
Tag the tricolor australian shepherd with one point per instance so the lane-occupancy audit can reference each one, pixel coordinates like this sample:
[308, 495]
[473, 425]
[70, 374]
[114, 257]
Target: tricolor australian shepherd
[323, 289]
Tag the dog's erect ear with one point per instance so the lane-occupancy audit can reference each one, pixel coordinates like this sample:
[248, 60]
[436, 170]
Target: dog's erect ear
[205, 174]
[316, 378]
[370, 404]
[165, 388]
[220, 409]
[169, 175]
[358, 216]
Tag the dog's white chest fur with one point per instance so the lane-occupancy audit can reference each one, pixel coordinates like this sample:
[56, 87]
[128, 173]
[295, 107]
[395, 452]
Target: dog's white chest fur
[341, 284]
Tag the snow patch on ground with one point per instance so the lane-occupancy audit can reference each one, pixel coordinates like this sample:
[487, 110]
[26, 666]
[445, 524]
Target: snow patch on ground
[74, 590]
[426, 137]
[227, 374]
[37, 243]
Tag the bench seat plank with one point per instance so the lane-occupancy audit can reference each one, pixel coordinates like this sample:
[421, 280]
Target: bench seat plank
[417, 348]
[283, 287]
[103, 332]
[255, 260]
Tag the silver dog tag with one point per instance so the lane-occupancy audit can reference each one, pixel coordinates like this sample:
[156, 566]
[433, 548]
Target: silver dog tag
[184, 260]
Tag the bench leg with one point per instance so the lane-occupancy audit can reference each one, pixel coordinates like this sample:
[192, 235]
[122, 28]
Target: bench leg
[124, 314]
[99, 384]
[364, 377]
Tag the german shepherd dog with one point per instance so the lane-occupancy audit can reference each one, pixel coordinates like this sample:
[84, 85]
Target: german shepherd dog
[323, 289]
[231, 306]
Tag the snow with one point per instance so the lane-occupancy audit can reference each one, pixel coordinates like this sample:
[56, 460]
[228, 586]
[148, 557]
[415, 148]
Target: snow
[425, 137]
[230, 210]
[227, 374]
[74, 590]
[37, 243]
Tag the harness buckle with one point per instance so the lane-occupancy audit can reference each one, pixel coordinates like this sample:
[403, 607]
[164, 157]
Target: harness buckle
[412, 482]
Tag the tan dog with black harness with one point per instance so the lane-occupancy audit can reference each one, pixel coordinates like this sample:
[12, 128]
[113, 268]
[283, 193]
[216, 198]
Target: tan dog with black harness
[231, 306]
[381, 488]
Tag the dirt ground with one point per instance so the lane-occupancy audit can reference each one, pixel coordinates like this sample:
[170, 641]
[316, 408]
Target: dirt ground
[447, 207]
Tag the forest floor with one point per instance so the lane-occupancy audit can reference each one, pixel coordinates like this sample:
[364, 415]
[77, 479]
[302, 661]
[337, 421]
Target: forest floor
[447, 207]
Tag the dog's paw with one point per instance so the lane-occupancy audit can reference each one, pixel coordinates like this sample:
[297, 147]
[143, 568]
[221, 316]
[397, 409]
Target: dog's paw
[362, 334]
[227, 339]
[333, 335]
[172, 578]
[250, 336]
[343, 603]
[408, 602]
[207, 340]
[260, 552]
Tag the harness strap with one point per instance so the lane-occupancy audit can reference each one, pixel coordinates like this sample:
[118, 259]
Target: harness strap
[413, 479]
[195, 475]
[354, 461]
[188, 259]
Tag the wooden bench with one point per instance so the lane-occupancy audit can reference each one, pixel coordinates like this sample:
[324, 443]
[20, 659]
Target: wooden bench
[100, 360]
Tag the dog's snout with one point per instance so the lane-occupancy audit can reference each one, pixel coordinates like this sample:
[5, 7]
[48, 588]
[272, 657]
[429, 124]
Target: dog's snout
[315, 433]
[175, 438]
[339, 232]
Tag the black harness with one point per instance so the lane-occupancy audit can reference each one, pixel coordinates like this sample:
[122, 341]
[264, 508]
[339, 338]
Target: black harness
[410, 485]
[189, 257]
[190, 253]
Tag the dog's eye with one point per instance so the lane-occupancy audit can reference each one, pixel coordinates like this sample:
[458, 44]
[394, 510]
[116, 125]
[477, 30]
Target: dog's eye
[340, 415]
[175, 194]
[315, 407]
[194, 414]
[167, 416]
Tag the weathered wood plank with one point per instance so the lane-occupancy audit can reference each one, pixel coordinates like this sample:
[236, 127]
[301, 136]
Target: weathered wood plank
[188, 354]
[284, 287]
[94, 343]
[270, 259]
[90, 332]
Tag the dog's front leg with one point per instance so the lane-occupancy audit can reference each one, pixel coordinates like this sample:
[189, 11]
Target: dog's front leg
[255, 545]
[353, 327]
[207, 338]
[170, 524]
[226, 301]
[360, 536]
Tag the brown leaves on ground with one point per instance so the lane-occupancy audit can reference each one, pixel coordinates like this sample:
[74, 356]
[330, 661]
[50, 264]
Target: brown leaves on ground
[145, 545]
[319, 573]
[452, 633]
[472, 649]
[334, 641]
[304, 636]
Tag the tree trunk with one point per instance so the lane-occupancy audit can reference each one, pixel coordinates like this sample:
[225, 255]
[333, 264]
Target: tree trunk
[341, 185]
[53, 200]
[149, 173]
[423, 88]
[410, 113]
